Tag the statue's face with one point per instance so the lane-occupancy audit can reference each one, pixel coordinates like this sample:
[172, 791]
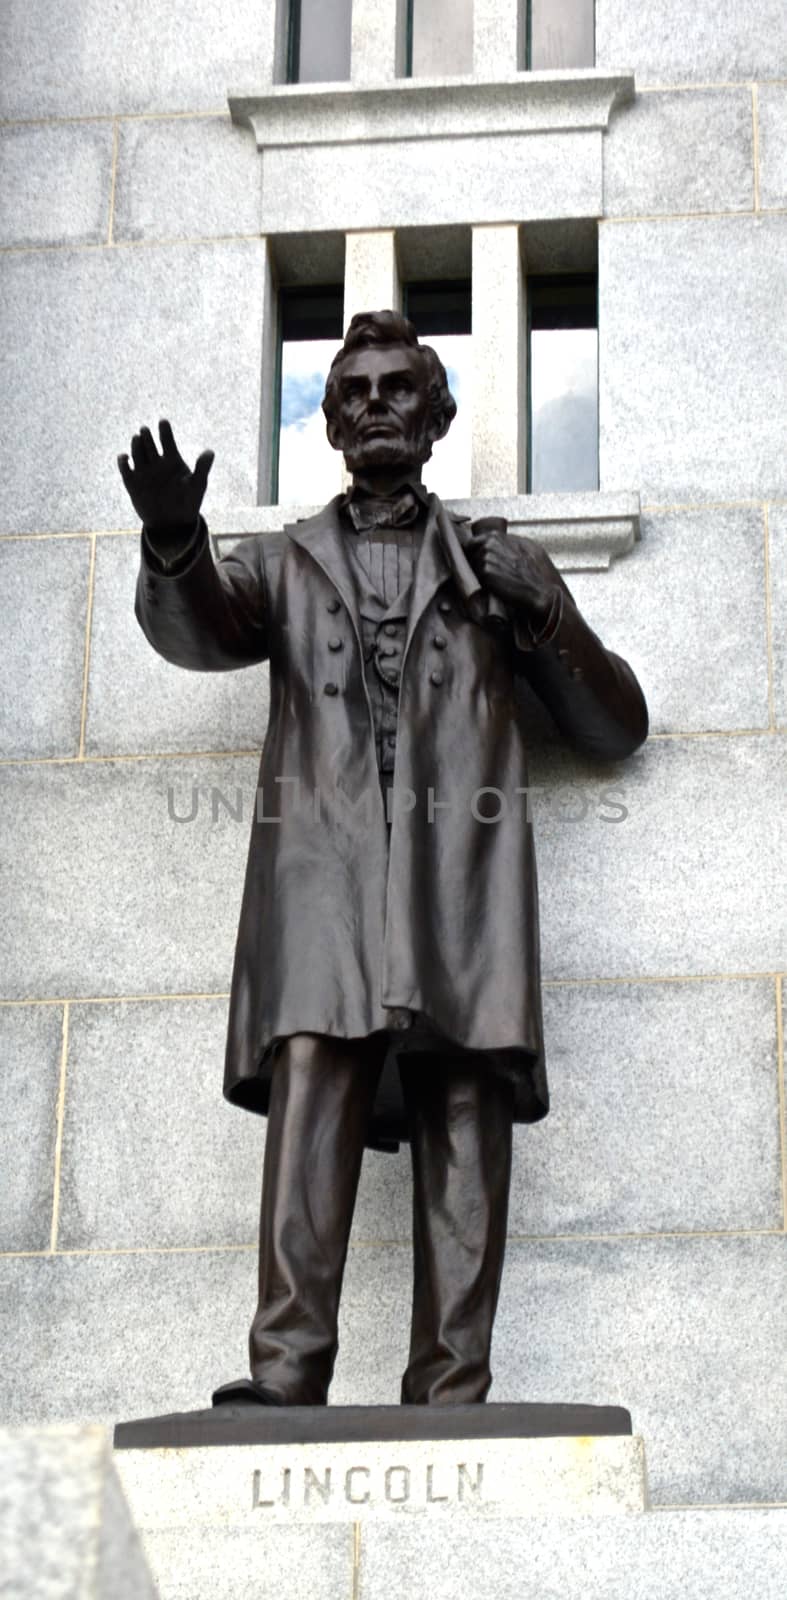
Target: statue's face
[383, 412]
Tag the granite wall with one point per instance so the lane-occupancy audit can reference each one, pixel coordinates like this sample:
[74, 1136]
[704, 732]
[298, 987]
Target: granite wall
[648, 1260]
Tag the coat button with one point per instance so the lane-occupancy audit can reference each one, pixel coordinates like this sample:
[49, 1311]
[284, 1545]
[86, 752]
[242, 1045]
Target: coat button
[562, 655]
[335, 644]
[333, 604]
[444, 606]
[391, 628]
[576, 673]
[436, 678]
[439, 642]
[331, 688]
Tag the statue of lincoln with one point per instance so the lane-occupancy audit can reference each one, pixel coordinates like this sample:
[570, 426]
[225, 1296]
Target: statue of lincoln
[386, 981]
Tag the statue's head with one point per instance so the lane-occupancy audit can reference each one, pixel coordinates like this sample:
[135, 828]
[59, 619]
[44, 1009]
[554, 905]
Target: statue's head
[387, 398]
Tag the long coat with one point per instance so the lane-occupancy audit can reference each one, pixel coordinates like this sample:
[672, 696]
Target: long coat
[337, 928]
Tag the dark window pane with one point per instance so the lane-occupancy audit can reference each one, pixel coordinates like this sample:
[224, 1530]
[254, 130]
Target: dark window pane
[563, 384]
[441, 314]
[439, 307]
[319, 50]
[561, 34]
[310, 320]
[440, 38]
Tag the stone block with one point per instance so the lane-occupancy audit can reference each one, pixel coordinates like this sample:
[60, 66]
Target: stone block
[675, 1555]
[676, 886]
[692, 320]
[680, 153]
[251, 1487]
[778, 565]
[105, 893]
[106, 1337]
[152, 1154]
[687, 1333]
[385, 185]
[65, 1529]
[55, 184]
[696, 577]
[93, 58]
[95, 342]
[664, 1115]
[226, 1564]
[772, 116]
[137, 702]
[714, 41]
[44, 584]
[186, 178]
[31, 1048]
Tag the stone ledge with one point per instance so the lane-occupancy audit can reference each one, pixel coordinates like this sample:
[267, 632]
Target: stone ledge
[428, 108]
[581, 532]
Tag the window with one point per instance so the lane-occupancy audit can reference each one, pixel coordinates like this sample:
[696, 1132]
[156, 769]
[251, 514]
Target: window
[441, 315]
[560, 34]
[562, 374]
[318, 45]
[439, 38]
[307, 470]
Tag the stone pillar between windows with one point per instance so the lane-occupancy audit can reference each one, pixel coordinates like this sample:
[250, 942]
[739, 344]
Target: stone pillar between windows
[497, 46]
[499, 362]
[371, 273]
[378, 40]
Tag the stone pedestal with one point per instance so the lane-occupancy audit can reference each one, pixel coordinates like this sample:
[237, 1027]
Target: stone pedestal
[226, 1496]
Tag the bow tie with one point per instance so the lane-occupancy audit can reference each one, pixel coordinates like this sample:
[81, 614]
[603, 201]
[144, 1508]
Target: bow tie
[392, 511]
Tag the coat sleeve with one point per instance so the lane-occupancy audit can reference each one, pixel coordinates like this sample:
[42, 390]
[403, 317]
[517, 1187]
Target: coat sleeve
[591, 693]
[203, 614]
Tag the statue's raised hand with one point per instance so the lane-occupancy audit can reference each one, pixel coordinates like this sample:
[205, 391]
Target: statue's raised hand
[164, 492]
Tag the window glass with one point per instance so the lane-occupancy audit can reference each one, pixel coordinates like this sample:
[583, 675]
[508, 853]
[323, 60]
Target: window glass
[308, 468]
[319, 43]
[441, 314]
[560, 34]
[563, 383]
[439, 38]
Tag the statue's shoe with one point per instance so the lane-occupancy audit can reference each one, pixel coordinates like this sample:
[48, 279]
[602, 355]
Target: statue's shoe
[244, 1392]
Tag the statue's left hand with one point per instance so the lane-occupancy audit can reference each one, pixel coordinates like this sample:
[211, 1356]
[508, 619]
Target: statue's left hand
[515, 569]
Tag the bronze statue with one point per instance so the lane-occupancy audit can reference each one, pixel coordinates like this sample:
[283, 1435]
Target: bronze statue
[386, 981]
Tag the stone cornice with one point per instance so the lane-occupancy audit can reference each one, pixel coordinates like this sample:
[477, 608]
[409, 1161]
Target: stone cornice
[431, 108]
[582, 532]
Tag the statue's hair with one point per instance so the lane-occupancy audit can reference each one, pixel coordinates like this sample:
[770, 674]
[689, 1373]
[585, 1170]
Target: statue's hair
[370, 328]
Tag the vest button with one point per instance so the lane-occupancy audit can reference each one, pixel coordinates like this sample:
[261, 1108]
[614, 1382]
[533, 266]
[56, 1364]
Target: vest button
[335, 644]
[387, 649]
[436, 678]
[333, 604]
[391, 629]
[331, 688]
[439, 641]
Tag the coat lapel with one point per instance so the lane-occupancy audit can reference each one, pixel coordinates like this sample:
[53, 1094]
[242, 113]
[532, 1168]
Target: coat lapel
[322, 536]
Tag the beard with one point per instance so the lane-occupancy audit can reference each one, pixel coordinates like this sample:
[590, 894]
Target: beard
[388, 453]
